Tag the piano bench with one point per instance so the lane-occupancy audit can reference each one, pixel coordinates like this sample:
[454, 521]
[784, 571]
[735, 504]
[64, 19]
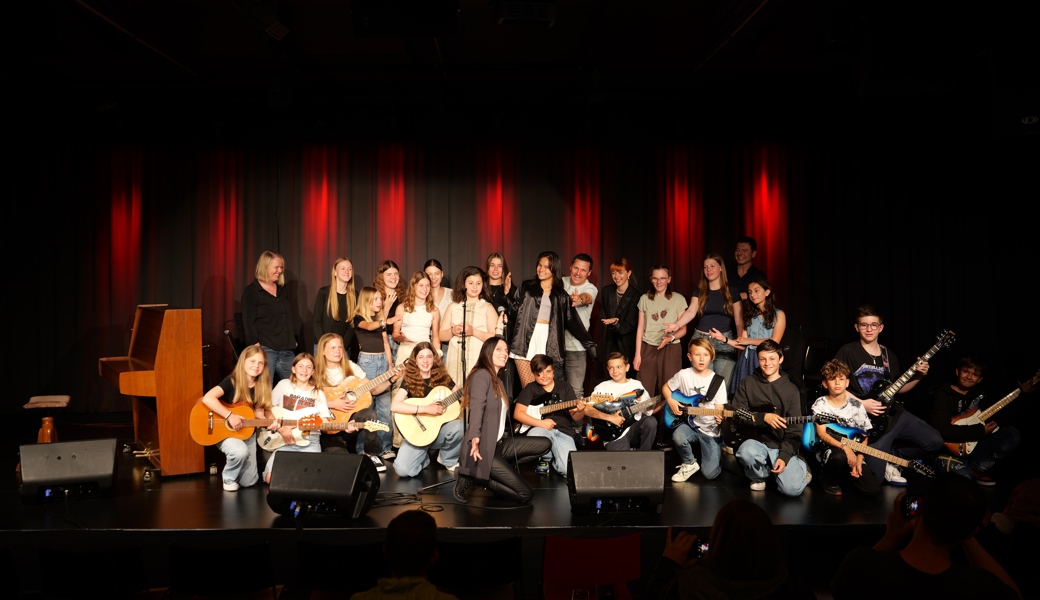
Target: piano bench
[48, 433]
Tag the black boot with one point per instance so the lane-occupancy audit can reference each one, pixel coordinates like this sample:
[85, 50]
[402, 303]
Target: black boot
[462, 483]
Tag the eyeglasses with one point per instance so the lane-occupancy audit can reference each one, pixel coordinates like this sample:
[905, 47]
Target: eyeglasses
[659, 279]
[869, 326]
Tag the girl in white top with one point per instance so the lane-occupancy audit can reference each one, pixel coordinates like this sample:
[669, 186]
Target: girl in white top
[331, 368]
[441, 295]
[418, 317]
[478, 324]
[294, 399]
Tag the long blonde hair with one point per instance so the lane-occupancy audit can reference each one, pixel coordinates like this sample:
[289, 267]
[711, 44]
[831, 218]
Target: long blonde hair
[364, 304]
[321, 366]
[332, 306]
[408, 302]
[261, 384]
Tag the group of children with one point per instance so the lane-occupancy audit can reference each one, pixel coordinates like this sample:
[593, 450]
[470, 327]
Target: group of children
[766, 403]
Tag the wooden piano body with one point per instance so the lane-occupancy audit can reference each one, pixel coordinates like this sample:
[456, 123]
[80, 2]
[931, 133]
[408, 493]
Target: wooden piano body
[163, 374]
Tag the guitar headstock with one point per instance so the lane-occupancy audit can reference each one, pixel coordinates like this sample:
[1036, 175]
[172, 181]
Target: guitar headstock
[1030, 385]
[921, 469]
[598, 398]
[373, 426]
[824, 419]
[309, 423]
[744, 414]
[946, 338]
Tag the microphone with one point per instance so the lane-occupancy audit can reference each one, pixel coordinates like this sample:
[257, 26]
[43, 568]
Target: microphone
[502, 311]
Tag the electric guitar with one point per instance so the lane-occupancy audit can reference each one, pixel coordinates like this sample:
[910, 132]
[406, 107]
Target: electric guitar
[422, 430]
[626, 403]
[850, 436]
[742, 429]
[272, 440]
[885, 391]
[973, 416]
[690, 410]
[538, 411]
[358, 390]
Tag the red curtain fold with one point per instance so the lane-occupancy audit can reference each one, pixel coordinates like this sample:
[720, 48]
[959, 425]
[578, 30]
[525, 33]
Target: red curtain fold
[678, 231]
[765, 201]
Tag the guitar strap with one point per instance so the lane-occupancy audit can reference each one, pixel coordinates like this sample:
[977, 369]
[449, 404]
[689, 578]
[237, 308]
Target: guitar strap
[884, 360]
[713, 387]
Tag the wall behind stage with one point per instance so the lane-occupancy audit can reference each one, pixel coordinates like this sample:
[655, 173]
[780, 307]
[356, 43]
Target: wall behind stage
[924, 228]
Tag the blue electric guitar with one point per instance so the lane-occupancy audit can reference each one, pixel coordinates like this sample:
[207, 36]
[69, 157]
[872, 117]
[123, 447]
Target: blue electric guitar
[690, 409]
[852, 437]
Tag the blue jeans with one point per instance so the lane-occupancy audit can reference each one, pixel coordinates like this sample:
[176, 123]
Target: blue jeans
[685, 436]
[375, 365]
[241, 461]
[413, 459]
[279, 363]
[987, 453]
[562, 446]
[758, 460]
[574, 363]
[725, 355]
[314, 446]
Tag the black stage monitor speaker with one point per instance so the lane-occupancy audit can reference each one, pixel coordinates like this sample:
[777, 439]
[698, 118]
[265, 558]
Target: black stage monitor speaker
[322, 483]
[616, 481]
[67, 469]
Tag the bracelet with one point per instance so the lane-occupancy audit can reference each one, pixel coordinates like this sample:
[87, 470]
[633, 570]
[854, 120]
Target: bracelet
[726, 341]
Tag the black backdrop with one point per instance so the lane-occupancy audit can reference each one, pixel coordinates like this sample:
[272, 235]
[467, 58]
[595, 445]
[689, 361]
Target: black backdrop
[931, 219]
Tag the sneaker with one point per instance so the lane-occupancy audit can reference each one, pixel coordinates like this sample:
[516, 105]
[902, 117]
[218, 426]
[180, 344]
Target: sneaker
[833, 489]
[450, 469]
[728, 449]
[808, 476]
[388, 455]
[230, 486]
[983, 479]
[380, 467]
[542, 468]
[686, 471]
[758, 486]
[893, 476]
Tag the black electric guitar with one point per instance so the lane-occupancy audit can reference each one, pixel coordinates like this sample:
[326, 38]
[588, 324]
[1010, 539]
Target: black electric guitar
[742, 429]
[607, 431]
[885, 391]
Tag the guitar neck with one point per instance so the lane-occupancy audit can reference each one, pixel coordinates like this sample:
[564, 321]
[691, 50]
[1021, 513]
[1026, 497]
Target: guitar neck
[643, 406]
[864, 449]
[370, 384]
[708, 412]
[800, 420]
[890, 392]
[989, 412]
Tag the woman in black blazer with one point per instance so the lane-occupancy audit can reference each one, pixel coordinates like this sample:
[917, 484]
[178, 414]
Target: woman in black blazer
[489, 451]
[620, 313]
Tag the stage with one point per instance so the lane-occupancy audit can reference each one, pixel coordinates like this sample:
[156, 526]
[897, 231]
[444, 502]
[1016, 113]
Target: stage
[194, 510]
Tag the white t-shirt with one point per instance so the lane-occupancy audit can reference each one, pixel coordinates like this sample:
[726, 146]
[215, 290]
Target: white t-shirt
[618, 389]
[298, 403]
[571, 344]
[689, 383]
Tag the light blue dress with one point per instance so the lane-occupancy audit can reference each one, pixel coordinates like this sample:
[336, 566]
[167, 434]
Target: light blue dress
[748, 361]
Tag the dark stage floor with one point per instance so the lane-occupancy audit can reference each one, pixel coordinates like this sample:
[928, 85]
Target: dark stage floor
[195, 510]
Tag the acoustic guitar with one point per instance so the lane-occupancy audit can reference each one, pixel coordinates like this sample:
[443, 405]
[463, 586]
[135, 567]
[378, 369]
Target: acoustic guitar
[358, 390]
[422, 430]
[273, 440]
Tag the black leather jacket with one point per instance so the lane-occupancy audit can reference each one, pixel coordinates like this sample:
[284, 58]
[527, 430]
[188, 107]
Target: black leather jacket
[561, 317]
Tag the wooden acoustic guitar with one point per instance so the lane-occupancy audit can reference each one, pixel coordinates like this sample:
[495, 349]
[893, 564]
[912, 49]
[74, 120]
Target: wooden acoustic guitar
[973, 416]
[208, 428]
[422, 430]
[358, 390]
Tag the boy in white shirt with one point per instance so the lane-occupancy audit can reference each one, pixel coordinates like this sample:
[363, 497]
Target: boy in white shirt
[706, 390]
[642, 432]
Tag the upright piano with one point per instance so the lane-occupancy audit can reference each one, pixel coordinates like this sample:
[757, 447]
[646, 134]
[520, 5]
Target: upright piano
[163, 374]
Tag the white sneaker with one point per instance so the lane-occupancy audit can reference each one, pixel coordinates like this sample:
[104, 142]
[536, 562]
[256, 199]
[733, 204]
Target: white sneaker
[450, 469]
[686, 471]
[808, 476]
[893, 475]
[380, 467]
[230, 486]
[758, 486]
[388, 455]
